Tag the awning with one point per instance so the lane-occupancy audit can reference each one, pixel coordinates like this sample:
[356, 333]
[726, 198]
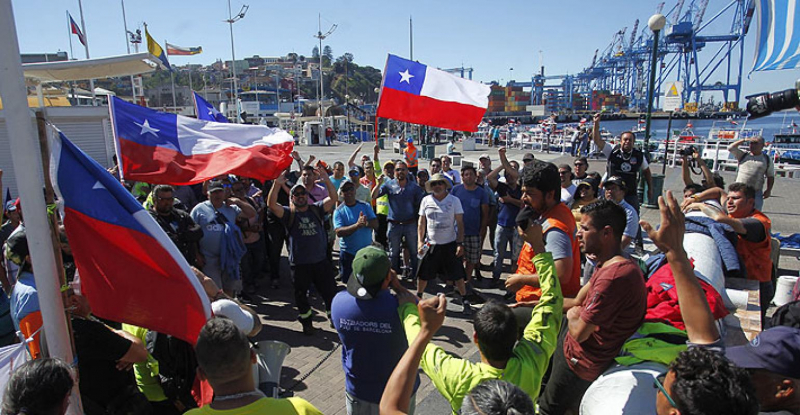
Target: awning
[56, 101]
[99, 68]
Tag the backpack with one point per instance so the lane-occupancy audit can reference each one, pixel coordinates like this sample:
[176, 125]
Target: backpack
[177, 366]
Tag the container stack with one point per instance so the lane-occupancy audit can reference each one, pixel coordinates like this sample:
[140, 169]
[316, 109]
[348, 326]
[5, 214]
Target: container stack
[516, 99]
[497, 99]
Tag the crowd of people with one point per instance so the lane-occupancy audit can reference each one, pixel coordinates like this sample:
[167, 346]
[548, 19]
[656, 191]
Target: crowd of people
[577, 293]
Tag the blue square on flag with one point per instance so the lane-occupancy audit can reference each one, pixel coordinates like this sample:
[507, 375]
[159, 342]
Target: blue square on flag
[404, 75]
[145, 126]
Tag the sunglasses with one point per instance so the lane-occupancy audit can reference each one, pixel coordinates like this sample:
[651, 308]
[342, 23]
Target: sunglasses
[527, 160]
[400, 169]
[300, 193]
[354, 173]
[658, 382]
[580, 164]
[439, 183]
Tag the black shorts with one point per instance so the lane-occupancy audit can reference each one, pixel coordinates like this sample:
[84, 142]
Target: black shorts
[441, 261]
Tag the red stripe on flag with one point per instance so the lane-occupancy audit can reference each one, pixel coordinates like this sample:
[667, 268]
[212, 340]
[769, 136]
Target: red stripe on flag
[403, 106]
[129, 277]
[167, 166]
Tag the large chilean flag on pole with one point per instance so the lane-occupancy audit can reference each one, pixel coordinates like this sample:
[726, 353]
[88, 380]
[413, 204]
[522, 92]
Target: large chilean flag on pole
[130, 270]
[416, 93]
[162, 148]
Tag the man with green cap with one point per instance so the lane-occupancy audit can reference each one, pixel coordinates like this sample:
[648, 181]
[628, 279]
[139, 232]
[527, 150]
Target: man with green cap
[369, 327]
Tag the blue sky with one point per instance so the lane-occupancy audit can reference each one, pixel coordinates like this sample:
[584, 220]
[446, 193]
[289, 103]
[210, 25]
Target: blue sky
[490, 37]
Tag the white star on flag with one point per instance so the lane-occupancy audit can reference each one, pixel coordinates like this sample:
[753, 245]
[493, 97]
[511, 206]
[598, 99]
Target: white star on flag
[147, 129]
[98, 186]
[406, 77]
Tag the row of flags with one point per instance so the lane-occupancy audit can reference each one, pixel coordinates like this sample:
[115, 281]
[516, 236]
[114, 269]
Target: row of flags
[152, 46]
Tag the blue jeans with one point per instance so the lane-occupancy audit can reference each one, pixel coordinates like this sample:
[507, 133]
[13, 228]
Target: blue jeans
[505, 235]
[345, 265]
[396, 233]
[759, 200]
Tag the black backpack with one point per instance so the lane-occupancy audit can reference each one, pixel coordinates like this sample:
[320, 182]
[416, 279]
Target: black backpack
[787, 315]
[177, 366]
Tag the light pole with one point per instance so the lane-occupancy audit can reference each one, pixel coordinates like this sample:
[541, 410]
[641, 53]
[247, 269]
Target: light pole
[321, 37]
[347, 110]
[231, 20]
[656, 24]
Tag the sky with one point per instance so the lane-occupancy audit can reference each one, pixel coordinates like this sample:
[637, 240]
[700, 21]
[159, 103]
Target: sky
[490, 37]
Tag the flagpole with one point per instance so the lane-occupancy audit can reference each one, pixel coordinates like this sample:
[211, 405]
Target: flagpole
[22, 140]
[69, 35]
[86, 46]
[128, 47]
[172, 79]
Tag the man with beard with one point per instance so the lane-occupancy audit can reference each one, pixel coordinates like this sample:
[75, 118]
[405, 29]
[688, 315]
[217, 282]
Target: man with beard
[542, 198]
[307, 242]
[178, 225]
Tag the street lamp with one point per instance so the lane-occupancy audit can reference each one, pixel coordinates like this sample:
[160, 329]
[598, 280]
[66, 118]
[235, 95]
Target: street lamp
[321, 37]
[347, 110]
[656, 24]
[231, 20]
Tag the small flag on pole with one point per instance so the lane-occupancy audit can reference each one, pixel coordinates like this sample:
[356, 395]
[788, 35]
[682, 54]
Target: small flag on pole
[131, 272]
[76, 30]
[206, 111]
[155, 49]
[181, 51]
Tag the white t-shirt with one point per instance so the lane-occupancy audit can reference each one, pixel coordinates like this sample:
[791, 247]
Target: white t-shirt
[568, 194]
[441, 218]
[454, 175]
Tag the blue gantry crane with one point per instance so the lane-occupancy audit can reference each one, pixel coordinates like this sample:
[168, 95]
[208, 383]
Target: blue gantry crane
[690, 53]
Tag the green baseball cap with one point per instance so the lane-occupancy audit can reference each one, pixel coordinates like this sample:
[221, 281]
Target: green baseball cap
[370, 267]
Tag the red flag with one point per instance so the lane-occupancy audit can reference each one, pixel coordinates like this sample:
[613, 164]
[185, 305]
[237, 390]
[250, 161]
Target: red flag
[76, 30]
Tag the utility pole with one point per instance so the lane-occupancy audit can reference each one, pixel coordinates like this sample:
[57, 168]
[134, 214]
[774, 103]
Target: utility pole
[231, 20]
[321, 36]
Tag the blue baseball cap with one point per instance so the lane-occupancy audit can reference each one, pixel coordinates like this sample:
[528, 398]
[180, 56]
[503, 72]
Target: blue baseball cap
[776, 350]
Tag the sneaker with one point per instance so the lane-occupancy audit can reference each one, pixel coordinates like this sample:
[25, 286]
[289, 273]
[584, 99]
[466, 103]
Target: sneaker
[467, 307]
[308, 327]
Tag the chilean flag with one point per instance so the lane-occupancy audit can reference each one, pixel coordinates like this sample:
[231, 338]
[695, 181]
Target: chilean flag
[416, 93]
[156, 147]
[130, 270]
[76, 30]
[206, 111]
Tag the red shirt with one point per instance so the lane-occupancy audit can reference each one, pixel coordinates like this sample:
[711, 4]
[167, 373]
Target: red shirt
[616, 303]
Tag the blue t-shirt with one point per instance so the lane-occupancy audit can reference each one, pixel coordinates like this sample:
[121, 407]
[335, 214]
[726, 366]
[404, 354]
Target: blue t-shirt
[507, 213]
[24, 298]
[213, 227]
[308, 240]
[348, 215]
[337, 182]
[403, 201]
[373, 341]
[471, 202]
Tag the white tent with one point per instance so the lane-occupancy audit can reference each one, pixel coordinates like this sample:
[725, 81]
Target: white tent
[98, 68]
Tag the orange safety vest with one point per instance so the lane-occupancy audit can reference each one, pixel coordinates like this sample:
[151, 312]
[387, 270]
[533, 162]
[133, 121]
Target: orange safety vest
[559, 217]
[411, 158]
[756, 255]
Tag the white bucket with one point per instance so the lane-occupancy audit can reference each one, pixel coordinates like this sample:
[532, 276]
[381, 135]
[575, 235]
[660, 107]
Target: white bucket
[783, 290]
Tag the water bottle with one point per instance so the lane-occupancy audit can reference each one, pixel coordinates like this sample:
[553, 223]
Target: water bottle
[424, 250]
